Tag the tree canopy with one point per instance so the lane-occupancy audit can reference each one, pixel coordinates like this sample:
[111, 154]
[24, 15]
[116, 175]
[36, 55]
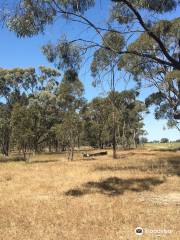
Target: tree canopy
[52, 111]
[149, 46]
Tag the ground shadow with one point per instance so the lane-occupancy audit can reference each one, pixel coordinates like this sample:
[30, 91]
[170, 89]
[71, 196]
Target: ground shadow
[173, 165]
[29, 162]
[114, 186]
[76, 192]
[44, 161]
[11, 159]
[167, 165]
[119, 168]
[167, 149]
[52, 153]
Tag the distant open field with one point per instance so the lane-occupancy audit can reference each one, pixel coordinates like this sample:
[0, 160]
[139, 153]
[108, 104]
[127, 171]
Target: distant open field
[163, 146]
[101, 199]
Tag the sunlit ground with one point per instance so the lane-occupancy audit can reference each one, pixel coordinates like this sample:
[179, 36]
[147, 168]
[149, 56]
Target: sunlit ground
[51, 198]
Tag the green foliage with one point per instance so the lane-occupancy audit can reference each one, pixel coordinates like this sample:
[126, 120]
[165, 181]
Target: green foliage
[98, 119]
[151, 55]
[95, 116]
[123, 14]
[164, 140]
[70, 101]
[104, 58]
[38, 112]
[128, 117]
[70, 91]
[28, 106]
[22, 132]
[5, 128]
[163, 78]
[143, 67]
[65, 55]
[146, 48]
[31, 17]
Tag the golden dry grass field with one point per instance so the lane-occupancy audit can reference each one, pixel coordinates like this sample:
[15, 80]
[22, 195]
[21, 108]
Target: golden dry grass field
[101, 199]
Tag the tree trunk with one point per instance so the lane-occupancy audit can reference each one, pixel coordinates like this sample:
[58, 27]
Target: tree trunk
[78, 141]
[123, 136]
[50, 148]
[114, 136]
[5, 146]
[36, 150]
[134, 139]
[72, 153]
[114, 118]
[24, 149]
[56, 146]
[72, 148]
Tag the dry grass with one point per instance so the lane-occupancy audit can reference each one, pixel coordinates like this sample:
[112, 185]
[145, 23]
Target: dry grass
[102, 199]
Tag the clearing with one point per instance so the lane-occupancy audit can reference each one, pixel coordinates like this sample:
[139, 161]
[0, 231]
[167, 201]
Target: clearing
[101, 199]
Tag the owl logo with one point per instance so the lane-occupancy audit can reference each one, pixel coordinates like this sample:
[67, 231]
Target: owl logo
[139, 231]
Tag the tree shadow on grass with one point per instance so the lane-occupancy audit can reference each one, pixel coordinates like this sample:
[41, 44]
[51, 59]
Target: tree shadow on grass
[114, 186]
[8, 160]
[167, 149]
[12, 159]
[43, 161]
[173, 165]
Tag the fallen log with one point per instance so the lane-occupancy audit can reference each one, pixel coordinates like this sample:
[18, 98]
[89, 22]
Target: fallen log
[94, 154]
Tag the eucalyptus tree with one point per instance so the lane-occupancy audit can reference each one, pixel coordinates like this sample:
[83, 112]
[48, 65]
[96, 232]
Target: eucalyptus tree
[154, 55]
[98, 120]
[95, 122]
[31, 17]
[150, 39]
[105, 64]
[163, 79]
[13, 86]
[5, 129]
[28, 105]
[42, 109]
[70, 100]
[129, 118]
[22, 132]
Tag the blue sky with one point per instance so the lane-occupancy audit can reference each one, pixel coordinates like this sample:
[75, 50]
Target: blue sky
[16, 52]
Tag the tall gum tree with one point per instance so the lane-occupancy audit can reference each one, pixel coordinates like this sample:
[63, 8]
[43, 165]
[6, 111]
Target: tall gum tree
[70, 101]
[25, 90]
[128, 17]
[105, 63]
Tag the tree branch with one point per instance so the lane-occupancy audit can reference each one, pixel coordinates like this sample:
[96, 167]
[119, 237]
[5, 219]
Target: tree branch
[175, 63]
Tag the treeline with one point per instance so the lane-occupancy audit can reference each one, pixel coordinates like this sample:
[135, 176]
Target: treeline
[40, 110]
